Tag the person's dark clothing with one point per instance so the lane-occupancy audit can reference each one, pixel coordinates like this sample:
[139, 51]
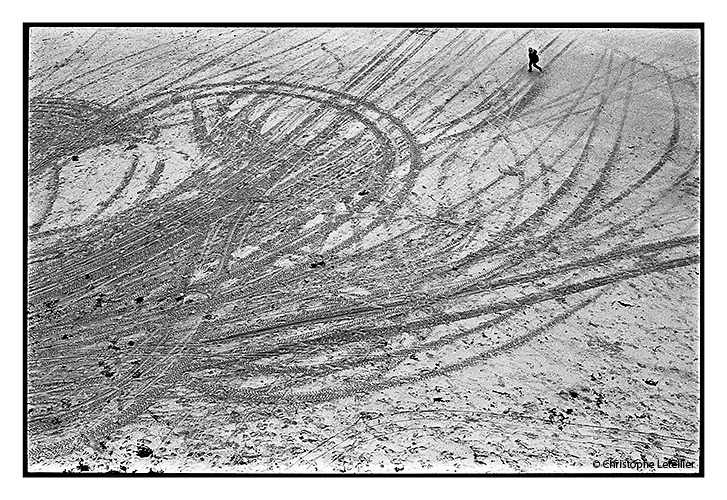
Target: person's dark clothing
[534, 58]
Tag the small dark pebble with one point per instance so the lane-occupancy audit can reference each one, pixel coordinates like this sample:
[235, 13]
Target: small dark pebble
[144, 451]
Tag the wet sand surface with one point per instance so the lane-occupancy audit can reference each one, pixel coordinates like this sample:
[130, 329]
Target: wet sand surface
[362, 250]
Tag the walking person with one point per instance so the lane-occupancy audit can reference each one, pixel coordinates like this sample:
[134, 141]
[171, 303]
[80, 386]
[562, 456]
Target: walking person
[534, 58]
